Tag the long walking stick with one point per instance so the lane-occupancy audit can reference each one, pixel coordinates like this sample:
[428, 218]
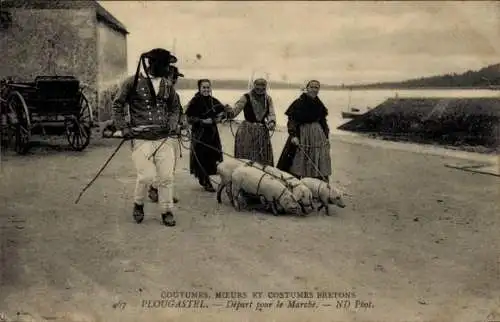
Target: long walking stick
[100, 170]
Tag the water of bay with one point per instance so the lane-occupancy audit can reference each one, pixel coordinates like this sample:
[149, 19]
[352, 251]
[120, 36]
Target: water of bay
[339, 100]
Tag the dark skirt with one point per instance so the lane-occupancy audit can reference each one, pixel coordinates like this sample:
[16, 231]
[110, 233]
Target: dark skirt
[205, 155]
[312, 158]
[287, 155]
[252, 141]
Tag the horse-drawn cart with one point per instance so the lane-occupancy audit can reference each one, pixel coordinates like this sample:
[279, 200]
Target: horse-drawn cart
[51, 105]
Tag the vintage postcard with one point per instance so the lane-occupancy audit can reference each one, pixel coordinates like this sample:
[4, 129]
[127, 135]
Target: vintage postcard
[249, 161]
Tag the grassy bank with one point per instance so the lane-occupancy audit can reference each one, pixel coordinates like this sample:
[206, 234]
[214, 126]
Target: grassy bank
[470, 124]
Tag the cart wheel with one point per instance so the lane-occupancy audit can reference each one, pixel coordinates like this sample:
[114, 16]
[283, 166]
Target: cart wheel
[20, 120]
[79, 130]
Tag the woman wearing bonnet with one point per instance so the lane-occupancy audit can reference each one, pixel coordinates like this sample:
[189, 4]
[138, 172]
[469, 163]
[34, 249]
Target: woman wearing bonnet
[204, 112]
[252, 140]
[307, 149]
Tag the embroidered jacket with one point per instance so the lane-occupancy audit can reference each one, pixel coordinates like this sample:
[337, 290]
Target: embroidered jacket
[146, 108]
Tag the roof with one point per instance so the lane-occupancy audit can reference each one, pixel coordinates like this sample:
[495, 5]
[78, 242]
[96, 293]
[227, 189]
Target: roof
[101, 13]
[106, 17]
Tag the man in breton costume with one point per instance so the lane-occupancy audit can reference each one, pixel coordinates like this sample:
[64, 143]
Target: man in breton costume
[154, 117]
[173, 76]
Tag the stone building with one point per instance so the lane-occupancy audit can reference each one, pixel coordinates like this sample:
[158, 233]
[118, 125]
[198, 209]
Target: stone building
[51, 37]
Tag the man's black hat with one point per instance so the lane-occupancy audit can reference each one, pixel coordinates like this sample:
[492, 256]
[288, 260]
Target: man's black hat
[175, 72]
[161, 55]
[159, 63]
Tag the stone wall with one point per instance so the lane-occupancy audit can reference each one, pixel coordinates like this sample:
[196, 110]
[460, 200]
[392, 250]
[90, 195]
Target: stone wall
[51, 42]
[112, 57]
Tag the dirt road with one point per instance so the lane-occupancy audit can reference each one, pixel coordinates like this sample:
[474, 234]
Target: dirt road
[417, 242]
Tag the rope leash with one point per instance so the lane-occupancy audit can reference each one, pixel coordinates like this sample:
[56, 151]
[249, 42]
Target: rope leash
[220, 151]
[162, 143]
[231, 121]
[261, 150]
[312, 161]
[251, 163]
[187, 137]
[196, 155]
[260, 181]
[287, 184]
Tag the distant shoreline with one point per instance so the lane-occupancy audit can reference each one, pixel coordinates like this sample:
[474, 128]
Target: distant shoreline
[487, 78]
[243, 85]
[409, 88]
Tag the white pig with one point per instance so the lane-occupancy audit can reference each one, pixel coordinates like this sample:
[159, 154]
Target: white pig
[324, 193]
[254, 181]
[299, 190]
[225, 170]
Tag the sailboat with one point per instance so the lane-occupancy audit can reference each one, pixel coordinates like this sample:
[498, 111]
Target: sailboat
[352, 112]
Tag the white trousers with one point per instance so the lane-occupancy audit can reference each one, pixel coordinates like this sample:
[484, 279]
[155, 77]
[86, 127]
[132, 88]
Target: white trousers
[159, 168]
[177, 152]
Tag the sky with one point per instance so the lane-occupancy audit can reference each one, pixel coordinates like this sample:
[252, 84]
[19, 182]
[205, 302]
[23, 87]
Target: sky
[334, 42]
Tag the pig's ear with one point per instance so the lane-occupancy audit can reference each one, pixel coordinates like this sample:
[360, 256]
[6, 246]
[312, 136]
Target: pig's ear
[342, 190]
[336, 191]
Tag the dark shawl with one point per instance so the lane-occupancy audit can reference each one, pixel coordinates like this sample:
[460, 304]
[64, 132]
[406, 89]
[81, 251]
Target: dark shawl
[304, 109]
[203, 107]
[206, 145]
